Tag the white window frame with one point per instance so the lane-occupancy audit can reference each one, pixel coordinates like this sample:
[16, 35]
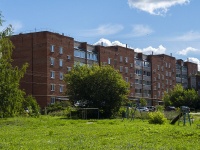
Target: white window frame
[61, 75]
[52, 74]
[61, 50]
[52, 61]
[52, 47]
[126, 79]
[121, 68]
[60, 62]
[53, 99]
[109, 61]
[61, 88]
[69, 69]
[126, 69]
[121, 59]
[52, 87]
[68, 57]
[126, 59]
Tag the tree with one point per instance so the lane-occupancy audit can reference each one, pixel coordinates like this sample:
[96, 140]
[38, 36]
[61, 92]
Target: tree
[181, 97]
[11, 97]
[97, 86]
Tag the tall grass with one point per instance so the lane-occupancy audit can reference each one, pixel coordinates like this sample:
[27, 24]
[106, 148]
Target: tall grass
[47, 132]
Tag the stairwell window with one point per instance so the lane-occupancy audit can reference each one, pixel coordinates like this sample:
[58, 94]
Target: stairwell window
[109, 60]
[52, 48]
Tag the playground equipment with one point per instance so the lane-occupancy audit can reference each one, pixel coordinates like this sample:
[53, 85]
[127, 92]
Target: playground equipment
[182, 116]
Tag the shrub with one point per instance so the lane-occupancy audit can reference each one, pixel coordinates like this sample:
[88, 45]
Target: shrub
[157, 118]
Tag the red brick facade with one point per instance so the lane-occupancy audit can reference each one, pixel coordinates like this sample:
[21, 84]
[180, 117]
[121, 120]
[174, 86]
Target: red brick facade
[51, 55]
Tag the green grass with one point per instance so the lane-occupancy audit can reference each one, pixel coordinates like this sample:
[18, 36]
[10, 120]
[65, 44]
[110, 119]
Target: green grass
[57, 133]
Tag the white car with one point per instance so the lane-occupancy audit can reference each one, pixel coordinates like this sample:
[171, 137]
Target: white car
[142, 109]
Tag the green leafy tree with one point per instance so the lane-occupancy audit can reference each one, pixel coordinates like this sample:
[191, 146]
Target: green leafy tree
[97, 86]
[181, 97]
[143, 102]
[11, 97]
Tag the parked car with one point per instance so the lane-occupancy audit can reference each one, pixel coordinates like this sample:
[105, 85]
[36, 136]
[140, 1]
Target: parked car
[142, 109]
[170, 108]
[151, 108]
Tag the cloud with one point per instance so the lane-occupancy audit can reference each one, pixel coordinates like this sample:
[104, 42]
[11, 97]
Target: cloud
[150, 49]
[147, 51]
[189, 36]
[140, 30]
[155, 7]
[187, 50]
[16, 25]
[102, 30]
[194, 60]
[106, 42]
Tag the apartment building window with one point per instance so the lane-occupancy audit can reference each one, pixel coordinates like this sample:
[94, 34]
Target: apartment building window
[109, 60]
[169, 65]
[158, 76]
[126, 79]
[166, 64]
[68, 57]
[131, 75]
[170, 82]
[170, 74]
[126, 69]
[131, 64]
[121, 59]
[60, 62]
[126, 59]
[166, 73]
[158, 85]
[52, 87]
[52, 74]
[131, 84]
[138, 72]
[52, 61]
[138, 90]
[166, 81]
[61, 75]
[61, 88]
[163, 85]
[158, 93]
[52, 48]
[154, 78]
[121, 68]
[61, 50]
[162, 68]
[136, 81]
[53, 100]
[69, 69]
[138, 63]
[163, 77]
[158, 67]
[154, 87]
[148, 74]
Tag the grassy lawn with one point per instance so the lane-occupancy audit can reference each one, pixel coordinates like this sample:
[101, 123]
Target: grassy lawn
[47, 132]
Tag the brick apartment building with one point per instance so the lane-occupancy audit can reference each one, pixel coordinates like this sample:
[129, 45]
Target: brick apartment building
[51, 55]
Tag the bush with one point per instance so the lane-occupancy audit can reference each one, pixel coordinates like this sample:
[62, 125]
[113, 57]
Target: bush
[157, 118]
